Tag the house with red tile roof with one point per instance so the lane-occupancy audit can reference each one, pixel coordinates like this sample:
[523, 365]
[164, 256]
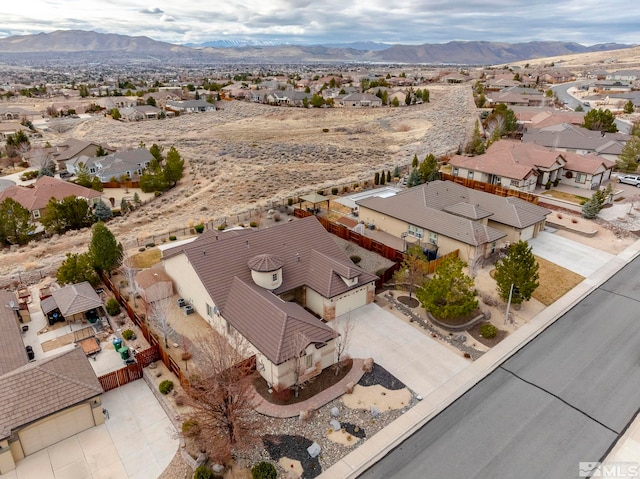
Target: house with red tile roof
[273, 286]
[36, 196]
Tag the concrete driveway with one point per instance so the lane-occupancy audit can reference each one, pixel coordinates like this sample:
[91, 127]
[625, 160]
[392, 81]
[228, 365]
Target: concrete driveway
[137, 442]
[416, 359]
[571, 255]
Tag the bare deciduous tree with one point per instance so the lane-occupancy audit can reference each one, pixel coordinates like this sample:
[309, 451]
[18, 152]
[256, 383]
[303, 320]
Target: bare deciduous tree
[342, 341]
[299, 342]
[220, 393]
[129, 273]
[159, 315]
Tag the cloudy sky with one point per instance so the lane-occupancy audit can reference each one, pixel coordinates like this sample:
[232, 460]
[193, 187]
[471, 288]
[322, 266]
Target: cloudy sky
[333, 21]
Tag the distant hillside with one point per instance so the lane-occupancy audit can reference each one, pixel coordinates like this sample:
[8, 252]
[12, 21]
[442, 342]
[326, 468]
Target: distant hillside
[464, 53]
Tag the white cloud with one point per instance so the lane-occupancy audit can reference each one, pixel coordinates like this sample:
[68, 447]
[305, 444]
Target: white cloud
[305, 21]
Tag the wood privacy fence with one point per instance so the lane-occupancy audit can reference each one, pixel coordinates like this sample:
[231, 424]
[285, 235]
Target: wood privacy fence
[489, 188]
[153, 339]
[130, 372]
[372, 245]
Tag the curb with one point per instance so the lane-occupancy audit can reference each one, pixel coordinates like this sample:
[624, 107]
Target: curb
[406, 425]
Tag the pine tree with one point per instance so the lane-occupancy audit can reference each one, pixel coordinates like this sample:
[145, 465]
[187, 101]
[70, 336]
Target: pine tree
[388, 176]
[475, 145]
[630, 156]
[520, 269]
[102, 212]
[376, 178]
[383, 178]
[414, 178]
[429, 170]
[414, 163]
[105, 252]
[451, 293]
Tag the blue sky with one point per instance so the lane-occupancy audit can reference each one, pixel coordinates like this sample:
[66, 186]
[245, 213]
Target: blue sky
[333, 21]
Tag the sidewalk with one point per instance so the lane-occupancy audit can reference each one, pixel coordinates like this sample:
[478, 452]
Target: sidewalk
[273, 410]
[379, 445]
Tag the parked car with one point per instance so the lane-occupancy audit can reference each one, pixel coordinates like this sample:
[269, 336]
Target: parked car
[65, 174]
[630, 180]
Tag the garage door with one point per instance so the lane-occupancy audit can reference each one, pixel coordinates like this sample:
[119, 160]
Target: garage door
[351, 302]
[56, 428]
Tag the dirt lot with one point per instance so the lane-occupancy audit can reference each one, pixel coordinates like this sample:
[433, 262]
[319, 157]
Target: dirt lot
[246, 156]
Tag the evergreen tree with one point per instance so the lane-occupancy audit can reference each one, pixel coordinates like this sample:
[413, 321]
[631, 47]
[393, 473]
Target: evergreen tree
[414, 162]
[630, 156]
[628, 107]
[376, 178]
[83, 177]
[520, 269]
[388, 176]
[382, 178]
[105, 252]
[428, 169]
[156, 152]
[96, 184]
[102, 212]
[100, 151]
[395, 101]
[396, 172]
[15, 223]
[600, 120]
[174, 167]
[77, 268]
[413, 271]
[593, 205]
[451, 293]
[124, 206]
[475, 145]
[414, 178]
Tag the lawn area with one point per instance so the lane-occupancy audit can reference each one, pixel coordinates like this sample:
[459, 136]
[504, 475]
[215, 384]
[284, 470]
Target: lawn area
[561, 195]
[146, 259]
[554, 281]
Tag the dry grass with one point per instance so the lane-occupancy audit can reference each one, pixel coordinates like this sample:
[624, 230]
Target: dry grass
[555, 281]
[146, 259]
[561, 195]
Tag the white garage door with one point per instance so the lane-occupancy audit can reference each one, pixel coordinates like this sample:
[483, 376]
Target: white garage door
[527, 233]
[351, 302]
[56, 428]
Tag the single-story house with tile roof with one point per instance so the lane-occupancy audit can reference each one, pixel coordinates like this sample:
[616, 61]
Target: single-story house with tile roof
[128, 163]
[450, 217]
[190, 106]
[272, 285]
[575, 139]
[73, 148]
[360, 100]
[74, 302]
[41, 402]
[35, 197]
[154, 284]
[586, 171]
[511, 164]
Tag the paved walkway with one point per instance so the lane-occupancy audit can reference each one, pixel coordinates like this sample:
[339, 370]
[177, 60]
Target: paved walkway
[274, 410]
[379, 445]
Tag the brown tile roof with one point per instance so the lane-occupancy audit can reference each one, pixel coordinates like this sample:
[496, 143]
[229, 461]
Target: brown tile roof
[576, 138]
[425, 206]
[271, 324]
[12, 352]
[150, 276]
[528, 154]
[38, 195]
[586, 163]
[76, 298]
[217, 257]
[41, 388]
[265, 263]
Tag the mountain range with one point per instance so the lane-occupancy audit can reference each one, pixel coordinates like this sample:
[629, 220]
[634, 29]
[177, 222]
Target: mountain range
[71, 42]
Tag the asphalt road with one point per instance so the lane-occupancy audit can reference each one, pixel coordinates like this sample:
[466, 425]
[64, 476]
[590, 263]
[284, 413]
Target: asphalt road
[564, 398]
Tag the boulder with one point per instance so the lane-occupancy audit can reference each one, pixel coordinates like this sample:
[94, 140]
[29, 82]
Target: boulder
[314, 450]
[367, 366]
[335, 412]
[335, 425]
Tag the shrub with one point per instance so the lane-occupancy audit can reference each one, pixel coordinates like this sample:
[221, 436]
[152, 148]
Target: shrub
[356, 185]
[289, 201]
[166, 386]
[355, 258]
[199, 228]
[556, 182]
[203, 472]
[112, 306]
[264, 470]
[190, 427]
[253, 224]
[488, 331]
[172, 238]
[325, 130]
[334, 191]
[150, 245]
[222, 227]
[547, 185]
[128, 334]
[345, 189]
[141, 249]
[320, 192]
[276, 216]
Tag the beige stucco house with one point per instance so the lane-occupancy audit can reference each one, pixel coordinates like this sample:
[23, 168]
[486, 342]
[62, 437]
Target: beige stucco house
[41, 402]
[446, 216]
[273, 286]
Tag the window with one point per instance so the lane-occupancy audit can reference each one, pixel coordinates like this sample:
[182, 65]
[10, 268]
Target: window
[36, 214]
[455, 171]
[209, 310]
[581, 178]
[274, 277]
[470, 175]
[416, 231]
[515, 183]
[433, 237]
[308, 361]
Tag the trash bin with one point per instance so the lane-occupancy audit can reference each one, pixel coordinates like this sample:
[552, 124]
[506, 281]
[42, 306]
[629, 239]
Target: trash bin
[117, 343]
[124, 352]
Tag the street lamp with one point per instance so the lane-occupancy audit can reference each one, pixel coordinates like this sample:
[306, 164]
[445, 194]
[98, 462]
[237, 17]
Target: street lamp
[513, 289]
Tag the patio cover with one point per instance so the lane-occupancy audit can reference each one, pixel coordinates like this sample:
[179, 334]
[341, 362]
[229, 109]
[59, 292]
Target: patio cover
[314, 198]
[76, 298]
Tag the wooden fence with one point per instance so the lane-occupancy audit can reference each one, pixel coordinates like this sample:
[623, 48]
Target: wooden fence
[489, 188]
[152, 339]
[372, 245]
[130, 372]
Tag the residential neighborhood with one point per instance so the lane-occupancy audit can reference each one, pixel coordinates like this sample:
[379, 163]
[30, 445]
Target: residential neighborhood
[302, 268]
